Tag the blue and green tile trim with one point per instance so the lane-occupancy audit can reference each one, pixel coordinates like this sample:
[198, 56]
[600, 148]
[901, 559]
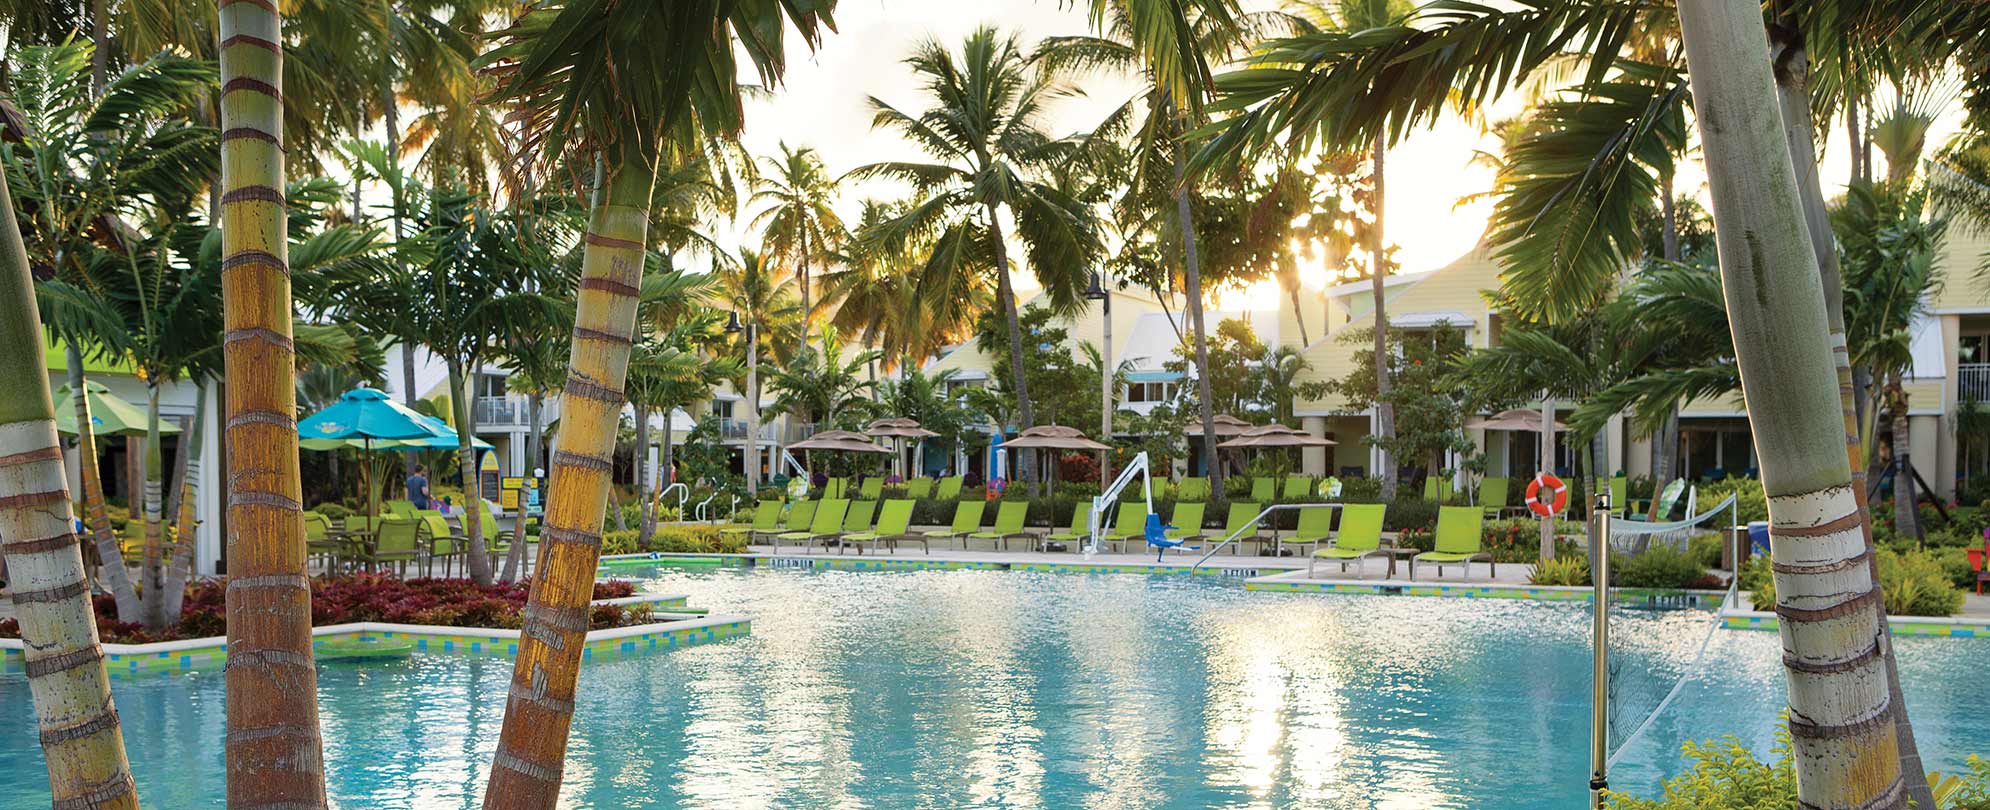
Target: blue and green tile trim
[1970, 627]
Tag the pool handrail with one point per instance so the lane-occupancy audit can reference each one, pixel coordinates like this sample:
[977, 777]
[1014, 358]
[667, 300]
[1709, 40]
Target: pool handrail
[1232, 537]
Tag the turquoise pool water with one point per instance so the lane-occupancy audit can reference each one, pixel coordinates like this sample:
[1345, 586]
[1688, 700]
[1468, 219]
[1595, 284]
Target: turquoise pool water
[946, 689]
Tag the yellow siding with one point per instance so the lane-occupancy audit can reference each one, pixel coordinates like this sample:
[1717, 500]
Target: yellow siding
[1456, 287]
[1923, 396]
[1964, 288]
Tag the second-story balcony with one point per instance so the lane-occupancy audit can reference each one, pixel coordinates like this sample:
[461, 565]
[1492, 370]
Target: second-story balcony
[774, 430]
[512, 411]
[1973, 382]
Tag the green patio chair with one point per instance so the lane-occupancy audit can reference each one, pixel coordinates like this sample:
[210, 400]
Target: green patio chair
[967, 519]
[1129, 525]
[919, 489]
[397, 541]
[949, 488]
[1620, 495]
[1298, 486]
[827, 523]
[856, 521]
[1242, 522]
[320, 542]
[1460, 541]
[398, 508]
[1360, 537]
[1008, 523]
[1186, 520]
[1263, 489]
[894, 522]
[1316, 526]
[1081, 528]
[796, 520]
[1430, 487]
[766, 516]
[494, 539]
[1192, 489]
[443, 542]
[1492, 496]
[873, 489]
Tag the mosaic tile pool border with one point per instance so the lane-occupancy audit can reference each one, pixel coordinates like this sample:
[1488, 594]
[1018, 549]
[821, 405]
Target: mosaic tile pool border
[1919, 626]
[860, 563]
[1705, 600]
[194, 655]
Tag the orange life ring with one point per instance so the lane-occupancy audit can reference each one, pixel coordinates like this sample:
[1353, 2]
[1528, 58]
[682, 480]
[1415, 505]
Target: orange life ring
[1556, 488]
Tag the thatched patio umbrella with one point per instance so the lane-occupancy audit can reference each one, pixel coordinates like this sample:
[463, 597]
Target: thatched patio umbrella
[1516, 419]
[899, 428]
[842, 441]
[1053, 437]
[1226, 426]
[1274, 435]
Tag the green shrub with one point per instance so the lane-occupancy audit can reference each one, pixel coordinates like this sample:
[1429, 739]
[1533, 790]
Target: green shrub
[697, 538]
[1955, 563]
[1916, 585]
[1660, 566]
[1725, 776]
[1515, 540]
[1750, 504]
[332, 511]
[1419, 539]
[622, 542]
[1411, 514]
[1571, 569]
[1360, 489]
[1705, 549]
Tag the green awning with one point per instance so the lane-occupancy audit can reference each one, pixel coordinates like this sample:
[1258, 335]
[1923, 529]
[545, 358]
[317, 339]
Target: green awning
[109, 415]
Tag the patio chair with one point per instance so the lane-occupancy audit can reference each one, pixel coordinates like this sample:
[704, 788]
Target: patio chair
[949, 488]
[856, 521]
[1263, 489]
[1242, 522]
[1081, 528]
[441, 541]
[1492, 496]
[766, 516]
[967, 519]
[1186, 520]
[1298, 486]
[873, 489]
[1192, 489]
[319, 542]
[796, 520]
[894, 522]
[1129, 525]
[397, 541]
[398, 508]
[494, 542]
[1316, 526]
[919, 488]
[1460, 541]
[1008, 523]
[1360, 537]
[1620, 495]
[827, 523]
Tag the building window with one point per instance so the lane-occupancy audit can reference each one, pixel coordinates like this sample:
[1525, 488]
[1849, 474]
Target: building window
[490, 385]
[723, 408]
[1150, 392]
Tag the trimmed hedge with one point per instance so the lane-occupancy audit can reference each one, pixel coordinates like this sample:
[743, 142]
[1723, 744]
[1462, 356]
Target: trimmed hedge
[689, 538]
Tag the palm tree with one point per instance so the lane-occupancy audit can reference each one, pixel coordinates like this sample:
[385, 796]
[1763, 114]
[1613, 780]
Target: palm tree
[985, 133]
[823, 380]
[274, 751]
[769, 321]
[800, 224]
[632, 84]
[81, 740]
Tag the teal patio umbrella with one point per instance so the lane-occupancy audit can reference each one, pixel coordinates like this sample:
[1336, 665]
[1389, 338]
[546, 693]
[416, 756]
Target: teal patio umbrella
[364, 415]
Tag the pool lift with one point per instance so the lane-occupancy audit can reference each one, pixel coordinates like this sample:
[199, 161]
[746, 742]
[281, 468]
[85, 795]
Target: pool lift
[1155, 531]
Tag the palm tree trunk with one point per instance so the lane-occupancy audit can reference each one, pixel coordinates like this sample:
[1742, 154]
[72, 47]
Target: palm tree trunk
[187, 521]
[81, 742]
[1192, 279]
[1385, 411]
[274, 754]
[110, 555]
[154, 603]
[532, 747]
[1793, 94]
[647, 523]
[477, 558]
[751, 461]
[669, 460]
[1106, 389]
[1299, 316]
[1840, 712]
[1006, 294]
[1906, 517]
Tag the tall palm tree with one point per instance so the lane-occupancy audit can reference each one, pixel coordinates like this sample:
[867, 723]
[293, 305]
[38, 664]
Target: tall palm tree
[985, 134]
[800, 224]
[771, 330]
[823, 380]
[80, 736]
[274, 753]
[632, 84]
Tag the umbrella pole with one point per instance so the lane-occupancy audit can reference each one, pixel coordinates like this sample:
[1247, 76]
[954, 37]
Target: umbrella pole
[372, 492]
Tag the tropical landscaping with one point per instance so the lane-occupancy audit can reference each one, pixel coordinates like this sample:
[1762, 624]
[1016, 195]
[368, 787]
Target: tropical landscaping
[339, 336]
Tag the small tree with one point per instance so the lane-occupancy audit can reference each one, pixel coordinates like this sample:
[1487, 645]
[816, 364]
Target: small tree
[1430, 412]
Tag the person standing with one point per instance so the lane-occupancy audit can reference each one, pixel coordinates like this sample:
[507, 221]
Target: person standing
[418, 487]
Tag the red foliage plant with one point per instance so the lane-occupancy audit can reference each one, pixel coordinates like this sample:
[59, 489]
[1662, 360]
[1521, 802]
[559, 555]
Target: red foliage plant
[364, 598]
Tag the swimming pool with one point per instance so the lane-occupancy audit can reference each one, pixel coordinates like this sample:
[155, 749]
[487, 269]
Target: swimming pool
[950, 689]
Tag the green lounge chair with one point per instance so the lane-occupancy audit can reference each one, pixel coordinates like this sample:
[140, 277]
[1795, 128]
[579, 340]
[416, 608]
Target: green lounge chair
[1008, 523]
[827, 523]
[1081, 528]
[856, 521]
[1316, 526]
[401, 508]
[1187, 521]
[1360, 537]
[1430, 487]
[1263, 490]
[1298, 486]
[873, 489]
[1620, 495]
[1243, 523]
[766, 516]
[797, 520]
[949, 488]
[1459, 541]
[1129, 525]
[894, 522]
[1192, 489]
[919, 489]
[397, 541]
[1492, 496]
[967, 519]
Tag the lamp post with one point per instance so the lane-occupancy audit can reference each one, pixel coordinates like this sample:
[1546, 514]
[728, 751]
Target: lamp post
[1097, 292]
[751, 457]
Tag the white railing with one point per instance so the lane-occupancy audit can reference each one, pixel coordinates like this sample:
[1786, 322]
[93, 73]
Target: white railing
[1973, 381]
[513, 410]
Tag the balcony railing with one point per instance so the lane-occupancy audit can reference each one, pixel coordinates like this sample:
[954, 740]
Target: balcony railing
[774, 430]
[1973, 382]
[513, 410]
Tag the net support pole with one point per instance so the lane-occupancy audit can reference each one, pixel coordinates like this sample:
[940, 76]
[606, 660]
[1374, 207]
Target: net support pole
[1599, 712]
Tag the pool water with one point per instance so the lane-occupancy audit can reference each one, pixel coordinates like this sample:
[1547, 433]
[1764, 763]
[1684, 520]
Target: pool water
[944, 689]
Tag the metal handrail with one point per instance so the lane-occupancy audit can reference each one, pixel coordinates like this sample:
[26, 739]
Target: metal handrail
[1254, 524]
[699, 511]
[683, 495]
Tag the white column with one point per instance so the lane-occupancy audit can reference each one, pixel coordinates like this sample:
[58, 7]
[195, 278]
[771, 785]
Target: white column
[1313, 460]
[209, 503]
